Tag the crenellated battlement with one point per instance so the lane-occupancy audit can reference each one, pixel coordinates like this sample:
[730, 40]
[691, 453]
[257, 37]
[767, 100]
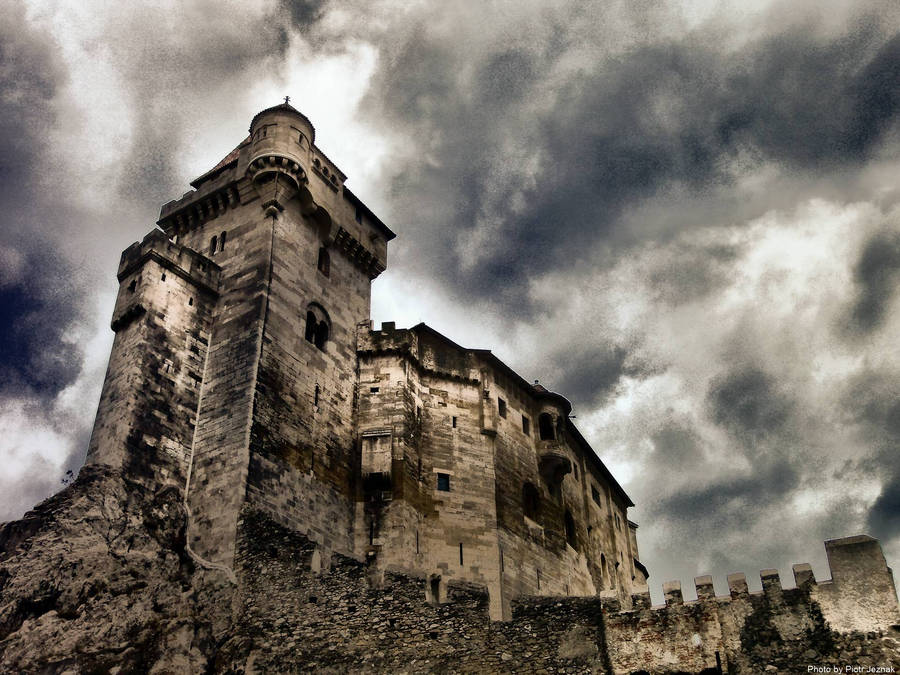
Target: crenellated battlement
[860, 595]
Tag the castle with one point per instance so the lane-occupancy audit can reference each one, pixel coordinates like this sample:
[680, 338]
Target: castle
[245, 371]
[274, 486]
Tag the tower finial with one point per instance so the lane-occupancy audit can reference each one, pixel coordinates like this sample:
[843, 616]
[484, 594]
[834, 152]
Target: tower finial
[287, 99]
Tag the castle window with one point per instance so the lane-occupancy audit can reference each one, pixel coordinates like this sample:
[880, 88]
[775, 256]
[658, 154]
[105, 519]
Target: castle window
[443, 482]
[575, 471]
[316, 396]
[213, 245]
[545, 427]
[324, 263]
[595, 495]
[222, 241]
[531, 501]
[163, 277]
[454, 422]
[526, 425]
[358, 214]
[190, 301]
[570, 530]
[539, 578]
[618, 523]
[460, 554]
[373, 390]
[132, 285]
[501, 407]
[317, 326]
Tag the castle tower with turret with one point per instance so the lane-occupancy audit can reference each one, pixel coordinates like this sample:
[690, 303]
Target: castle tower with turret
[245, 371]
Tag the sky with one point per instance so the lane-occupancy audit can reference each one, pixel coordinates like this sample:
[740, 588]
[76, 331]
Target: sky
[683, 216]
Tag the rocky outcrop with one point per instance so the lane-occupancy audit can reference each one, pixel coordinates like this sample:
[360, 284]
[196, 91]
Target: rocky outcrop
[96, 579]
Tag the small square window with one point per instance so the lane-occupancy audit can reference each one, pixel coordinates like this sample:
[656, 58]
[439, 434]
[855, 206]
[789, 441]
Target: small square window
[526, 426]
[443, 482]
[373, 390]
[501, 406]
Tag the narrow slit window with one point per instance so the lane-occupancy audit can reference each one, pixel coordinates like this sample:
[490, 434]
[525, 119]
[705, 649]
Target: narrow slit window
[190, 301]
[526, 426]
[454, 422]
[324, 263]
[460, 553]
[443, 482]
[213, 245]
[316, 396]
[501, 407]
[222, 241]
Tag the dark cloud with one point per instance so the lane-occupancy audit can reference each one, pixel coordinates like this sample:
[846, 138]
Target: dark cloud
[35, 314]
[748, 404]
[677, 444]
[872, 403]
[304, 13]
[617, 132]
[589, 374]
[877, 275]
[729, 503]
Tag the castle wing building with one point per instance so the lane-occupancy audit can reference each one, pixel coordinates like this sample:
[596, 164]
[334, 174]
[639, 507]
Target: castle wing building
[245, 371]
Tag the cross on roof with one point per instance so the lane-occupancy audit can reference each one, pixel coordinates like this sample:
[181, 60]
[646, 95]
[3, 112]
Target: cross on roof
[287, 100]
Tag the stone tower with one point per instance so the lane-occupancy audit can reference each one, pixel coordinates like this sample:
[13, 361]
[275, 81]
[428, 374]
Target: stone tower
[232, 372]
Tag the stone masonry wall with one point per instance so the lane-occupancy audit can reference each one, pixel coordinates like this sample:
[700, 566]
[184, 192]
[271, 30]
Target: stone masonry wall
[305, 610]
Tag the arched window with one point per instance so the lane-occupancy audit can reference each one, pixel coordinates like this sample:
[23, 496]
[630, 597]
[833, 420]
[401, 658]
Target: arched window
[531, 501]
[570, 530]
[545, 425]
[324, 263]
[317, 326]
[212, 245]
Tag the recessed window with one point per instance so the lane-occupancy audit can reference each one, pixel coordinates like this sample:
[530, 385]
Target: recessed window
[190, 301]
[454, 422]
[373, 390]
[539, 578]
[526, 426]
[163, 277]
[222, 241]
[316, 396]
[460, 553]
[213, 245]
[358, 214]
[531, 501]
[545, 426]
[132, 285]
[443, 482]
[324, 263]
[501, 407]
[595, 495]
[317, 326]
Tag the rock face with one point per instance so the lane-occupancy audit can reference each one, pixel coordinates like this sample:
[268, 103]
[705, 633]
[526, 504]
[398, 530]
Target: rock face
[98, 579]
